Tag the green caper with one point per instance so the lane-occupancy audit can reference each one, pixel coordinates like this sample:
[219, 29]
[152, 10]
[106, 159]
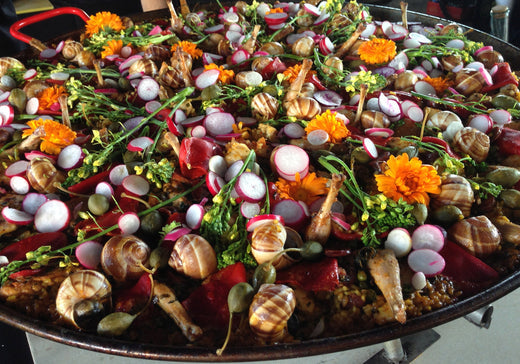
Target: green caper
[264, 273]
[504, 176]
[271, 90]
[360, 155]
[98, 204]
[18, 99]
[447, 215]
[311, 250]
[411, 150]
[210, 92]
[240, 297]
[152, 222]
[420, 212]
[505, 102]
[511, 198]
[124, 84]
[159, 257]
[115, 324]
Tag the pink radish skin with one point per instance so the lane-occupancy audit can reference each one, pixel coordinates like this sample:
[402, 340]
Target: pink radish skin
[233, 170]
[379, 132]
[32, 202]
[338, 219]
[294, 130]
[194, 216]
[139, 144]
[177, 233]
[400, 241]
[207, 78]
[52, 216]
[219, 123]
[18, 168]
[481, 122]
[118, 174]
[261, 219]
[89, 254]
[427, 261]
[129, 223]
[6, 115]
[19, 185]
[105, 189]
[70, 157]
[136, 185]
[249, 209]
[17, 217]
[32, 106]
[250, 187]
[500, 117]
[214, 182]
[292, 212]
[427, 237]
[289, 160]
[370, 148]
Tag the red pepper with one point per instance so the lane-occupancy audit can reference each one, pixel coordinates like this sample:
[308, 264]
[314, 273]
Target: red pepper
[317, 276]
[134, 298]
[441, 143]
[509, 141]
[274, 67]
[88, 185]
[503, 76]
[207, 305]
[17, 250]
[26, 273]
[194, 155]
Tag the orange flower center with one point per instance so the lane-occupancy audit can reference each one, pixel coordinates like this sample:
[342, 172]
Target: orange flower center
[188, 47]
[103, 21]
[334, 126]
[308, 190]
[49, 96]
[377, 51]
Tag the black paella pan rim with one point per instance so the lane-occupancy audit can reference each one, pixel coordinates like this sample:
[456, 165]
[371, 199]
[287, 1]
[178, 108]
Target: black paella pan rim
[429, 320]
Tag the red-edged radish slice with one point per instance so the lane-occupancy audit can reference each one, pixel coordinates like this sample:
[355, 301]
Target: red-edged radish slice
[373, 104]
[194, 216]
[136, 185]
[4, 96]
[474, 65]
[379, 132]
[207, 78]
[370, 29]
[30, 74]
[246, 120]
[326, 46]
[48, 53]
[250, 187]
[386, 27]
[339, 219]
[105, 189]
[370, 148]
[218, 164]
[410, 43]
[198, 131]
[139, 144]
[60, 76]
[294, 130]
[311, 9]
[427, 261]
[177, 233]
[328, 98]
[32, 105]
[17, 168]
[424, 88]
[501, 117]
[219, 123]
[118, 174]
[388, 106]
[249, 209]
[70, 157]
[400, 241]
[128, 62]
[292, 212]
[233, 170]
[400, 62]
[483, 49]
[6, 114]
[193, 121]
[486, 76]
[37, 154]
[324, 16]
[420, 71]
[89, 254]
[317, 137]
[418, 281]
[151, 106]
[128, 223]
[132, 123]
[60, 46]
[272, 19]
[32, 202]
[428, 236]
[289, 160]
[17, 217]
[19, 185]
[208, 58]
[419, 37]
[455, 43]
[482, 122]
[239, 56]
[233, 36]
[256, 221]
[214, 182]
[52, 216]
[148, 89]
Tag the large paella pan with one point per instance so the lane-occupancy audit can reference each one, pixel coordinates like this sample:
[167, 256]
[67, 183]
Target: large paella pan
[400, 213]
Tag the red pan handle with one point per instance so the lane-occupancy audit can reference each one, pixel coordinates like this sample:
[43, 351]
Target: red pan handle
[15, 28]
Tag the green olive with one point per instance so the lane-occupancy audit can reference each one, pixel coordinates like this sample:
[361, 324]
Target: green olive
[159, 257]
[411, 150]
[115, 324]
[98, 204]
[18, 99]
[240, 297]
[447, 215]
[420, 212]
[271, 90]
[505, 102]
[264, 273]
[511, 198]
[124, 84]
[152, 222]
[210, 92]
[505, 176]
[311, 250]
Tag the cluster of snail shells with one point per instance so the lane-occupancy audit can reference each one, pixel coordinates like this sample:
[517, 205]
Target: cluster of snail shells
[477, 234]
[271, 308]
[455, 190]
[193, 256]
[123, 257]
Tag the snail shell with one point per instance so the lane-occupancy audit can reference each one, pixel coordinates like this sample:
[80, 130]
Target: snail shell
[43, 175]
[472, 142]
[303, 47]
[442, 119]
[273, 48]
[71, 49]
[406, 80]
[85, 58]
[144, 66]
[451, 62]
[455, 190]
[477, 234]
[123, 257]
[490, 58]
[264, 106]
[7, 63]
[259, 63]
[270, 310]
[84, 293]
[34, 87]
[268, 240]
[468, 81]
[157, 53]
[182, 60]
[303, 19]
[340, 21]
[374, 119]
[193, 256]
[334, 66]
[303, 108]
[171, 76]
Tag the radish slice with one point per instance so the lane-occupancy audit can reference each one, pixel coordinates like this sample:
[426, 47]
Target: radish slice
[292, 212]
[139, 144]
[239, 56]
[379, 132]
[482, 122]
[388, 106]
[400, 241]
[52, 216]
[328, 98]
[32, 202]
[32, 106]
[136, 185]
[294, 130]
[19, 185]
[6, 115]
[70, 157]
[428, 237]
[483, 49]
[370, 148]
[419, 37]
[89, 254]
[17, 168]
[410, 43]
[418, 281]
[118, 174]
[48, 53]
[193, 121]
[177, 233]
[424, 88]
[4, 96]
[427, 261]
[17, 217]
[132, 123]
[338, 218]
[233, 170]
[289, 160]
[317, 137]
[500, 117]
[105, 189]
[128, 62]
[219, 123]
[400, 62]
[455, 43]
[249, 209]
[207, 78]
[148, 89]
[311, 9]
[151, 106]
[218, 164]
[37, 154]
[256, 221]
[128, 223]
[326, 46]
[214, 182]
[250, 187]
[194, 216]
[198, 131]
[370, 29]
[486, 76]
[373, 104]
[30, 74]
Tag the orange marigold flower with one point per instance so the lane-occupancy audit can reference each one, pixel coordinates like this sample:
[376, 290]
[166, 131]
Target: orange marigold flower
[334, 126]
[50, 96]
[274, 10]
[292, 72]
[225, 76]
[440, 84]
[54, 136]
[307, 190]
[112, 47]
[188, 47]
[377, 51]
[103, 21]
[408, 179]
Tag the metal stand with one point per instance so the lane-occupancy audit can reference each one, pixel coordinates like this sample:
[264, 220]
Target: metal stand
[406, 349]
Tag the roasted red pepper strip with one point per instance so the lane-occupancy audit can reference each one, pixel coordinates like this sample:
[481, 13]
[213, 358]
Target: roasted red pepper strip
[503, 76]
[18, 250]
[207, 305]
[317, 276]
[26, 273]
[194, 155]
[509, 141]
[441, 143]
[89, 185]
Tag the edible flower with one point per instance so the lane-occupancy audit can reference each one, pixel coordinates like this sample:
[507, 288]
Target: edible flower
[308, 190]
[188, 47]
[292, 72]
[408, 179]
[103, 21]
[274, 10]
[50, 96]
[440, 84]
[112, 47]
[374, 81]
[225, 76]
[377, 51]
[333, 125]
[54, 136]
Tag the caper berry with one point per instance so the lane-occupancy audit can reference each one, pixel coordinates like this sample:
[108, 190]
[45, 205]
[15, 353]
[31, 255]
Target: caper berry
[159, 257]
[311, 250]
[240, 297]
[98, 204]
[210, 92]
[264, 273]
[152, 222]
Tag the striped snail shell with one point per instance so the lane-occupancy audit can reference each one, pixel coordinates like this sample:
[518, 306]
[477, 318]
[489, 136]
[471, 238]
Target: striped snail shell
[303, 108]
[71, 49]
[193, 256]
[43, 175]
[374, 119]
[477, 234]
[264, 106]
[273, 48]
[267, 241]
[406, 80]
[123, 257]
[303, 47]
[270, 310]
[144, 66]
[7, 63]
[442, 119]
[472, 142]
[455, 190]
[157, 53]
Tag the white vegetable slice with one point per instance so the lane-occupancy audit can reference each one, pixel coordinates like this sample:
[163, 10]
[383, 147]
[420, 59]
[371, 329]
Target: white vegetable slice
[17, 168]
[32, 202]
[128, 223]
[250, 187]
[70, 157]
[289, 160]
[139, 144]
[105, 189]
[89, 254]
[19, 185]
[17, 217]
[194, 216]
[427, 261]
[261, 219]
[118, 174]
[52, 216]
[428, 236]
[136, 184]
